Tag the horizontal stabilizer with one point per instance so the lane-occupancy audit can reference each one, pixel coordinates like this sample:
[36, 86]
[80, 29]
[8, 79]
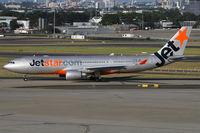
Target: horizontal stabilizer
[176, 58]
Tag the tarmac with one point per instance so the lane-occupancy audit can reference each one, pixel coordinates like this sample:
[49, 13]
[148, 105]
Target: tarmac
[113, 106]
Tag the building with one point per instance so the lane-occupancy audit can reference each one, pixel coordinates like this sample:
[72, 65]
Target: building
[7, 20]
[40, 23]
[109, 3]
[95, 20]
[78, 24]
[85, 28]
[24, 23]
[53, 4]
[132, 3]
[155, 2]
[166, 24]
[188, 23]
[178, 4]
[13, 6]
[167, 4]
[186, 2]
[47, 3]
[125, 27]
[193, 7]
[35, 1]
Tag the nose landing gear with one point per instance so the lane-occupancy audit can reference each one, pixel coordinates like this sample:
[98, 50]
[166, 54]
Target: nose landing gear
[25, 78]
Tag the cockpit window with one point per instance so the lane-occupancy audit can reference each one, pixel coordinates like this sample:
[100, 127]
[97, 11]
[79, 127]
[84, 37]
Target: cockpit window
[11, 62]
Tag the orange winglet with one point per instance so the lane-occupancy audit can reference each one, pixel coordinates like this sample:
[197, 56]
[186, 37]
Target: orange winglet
[143, 62]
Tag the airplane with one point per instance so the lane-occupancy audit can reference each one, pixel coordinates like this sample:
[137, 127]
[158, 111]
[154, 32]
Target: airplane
[93, 66]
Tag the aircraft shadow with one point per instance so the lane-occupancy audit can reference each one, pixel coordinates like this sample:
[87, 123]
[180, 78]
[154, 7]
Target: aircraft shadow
[73, 85]
[112, 79]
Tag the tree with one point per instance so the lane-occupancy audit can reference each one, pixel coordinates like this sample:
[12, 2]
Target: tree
[187, 16]
[110, 19]
[2, 7]
[3, 25]
[128, 18]
[14, 25]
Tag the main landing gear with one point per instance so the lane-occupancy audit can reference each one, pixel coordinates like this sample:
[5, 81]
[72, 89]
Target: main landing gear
[25, 78]
[97, 76]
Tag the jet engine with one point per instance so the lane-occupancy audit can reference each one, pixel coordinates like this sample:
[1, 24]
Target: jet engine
[74, 75]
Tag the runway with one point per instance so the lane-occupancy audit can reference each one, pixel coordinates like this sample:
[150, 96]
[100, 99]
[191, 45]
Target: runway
[113, 106]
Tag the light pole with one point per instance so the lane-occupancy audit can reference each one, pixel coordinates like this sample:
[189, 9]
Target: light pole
[54, 23]
[142, 21]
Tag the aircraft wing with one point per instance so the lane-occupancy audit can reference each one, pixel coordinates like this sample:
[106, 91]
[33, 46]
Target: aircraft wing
[105, 68]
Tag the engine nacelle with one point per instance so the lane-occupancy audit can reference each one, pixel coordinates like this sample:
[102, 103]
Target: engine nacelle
[74, 75]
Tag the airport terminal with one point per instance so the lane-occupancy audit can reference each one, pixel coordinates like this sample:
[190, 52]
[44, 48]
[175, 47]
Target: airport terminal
[99, 66]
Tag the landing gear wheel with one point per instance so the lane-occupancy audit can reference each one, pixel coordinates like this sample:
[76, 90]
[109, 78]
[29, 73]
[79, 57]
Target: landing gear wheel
[98, 80]
[25, 78]
[92, 78]
[97, 76]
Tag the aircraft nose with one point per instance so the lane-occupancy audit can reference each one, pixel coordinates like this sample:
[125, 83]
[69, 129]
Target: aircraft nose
[5, 66]
[8, 67]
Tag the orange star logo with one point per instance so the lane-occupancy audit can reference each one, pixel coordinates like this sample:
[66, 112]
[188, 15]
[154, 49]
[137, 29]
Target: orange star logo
[182, 36]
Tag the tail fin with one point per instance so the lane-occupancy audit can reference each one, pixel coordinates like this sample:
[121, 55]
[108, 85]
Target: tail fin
[175, 47]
